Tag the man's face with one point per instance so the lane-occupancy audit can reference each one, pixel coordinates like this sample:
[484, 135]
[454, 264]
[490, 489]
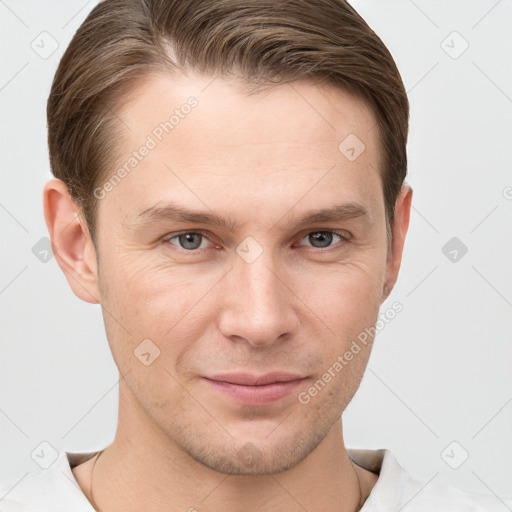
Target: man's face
[263, 293]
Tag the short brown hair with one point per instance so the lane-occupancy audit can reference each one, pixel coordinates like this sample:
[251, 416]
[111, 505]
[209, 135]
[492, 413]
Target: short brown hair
[263, 42]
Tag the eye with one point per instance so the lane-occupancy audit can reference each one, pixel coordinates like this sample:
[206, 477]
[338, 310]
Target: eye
[189, 241]
[322, 239]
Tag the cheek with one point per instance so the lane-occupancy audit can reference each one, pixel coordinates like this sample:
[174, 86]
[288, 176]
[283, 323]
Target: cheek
[347, 308]
[346, 297]
[145, 299]
[142, 286]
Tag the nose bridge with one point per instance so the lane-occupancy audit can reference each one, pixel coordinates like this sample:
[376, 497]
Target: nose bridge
[260, 308]
[263, 285]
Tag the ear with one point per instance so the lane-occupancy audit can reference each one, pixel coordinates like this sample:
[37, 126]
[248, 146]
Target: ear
[71, 242]
[400, 226]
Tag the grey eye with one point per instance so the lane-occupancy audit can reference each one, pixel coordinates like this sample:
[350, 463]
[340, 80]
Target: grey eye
[320, 239]
[189, 241]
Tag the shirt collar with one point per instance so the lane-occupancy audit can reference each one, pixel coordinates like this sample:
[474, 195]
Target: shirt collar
[385, 495]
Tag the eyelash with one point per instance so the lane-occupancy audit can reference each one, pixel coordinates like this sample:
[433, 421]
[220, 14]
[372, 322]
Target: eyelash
[342, 234]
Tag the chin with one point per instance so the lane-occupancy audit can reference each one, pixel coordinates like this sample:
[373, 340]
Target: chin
[250, 460]
[255, 452]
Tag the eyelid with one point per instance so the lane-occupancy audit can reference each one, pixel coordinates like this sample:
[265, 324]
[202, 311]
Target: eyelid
[343, 233]
[186, 232]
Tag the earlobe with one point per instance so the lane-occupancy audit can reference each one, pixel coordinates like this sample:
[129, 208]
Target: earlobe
[71, 242]
[400, 227]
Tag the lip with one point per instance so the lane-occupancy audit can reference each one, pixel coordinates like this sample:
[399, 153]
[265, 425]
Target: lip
[252, 389]
[248, 379]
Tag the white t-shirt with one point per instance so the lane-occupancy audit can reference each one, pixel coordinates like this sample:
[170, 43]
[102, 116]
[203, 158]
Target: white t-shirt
[55, 489]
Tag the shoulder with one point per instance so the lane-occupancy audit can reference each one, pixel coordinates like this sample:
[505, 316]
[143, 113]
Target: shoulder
[395, 490]
[423, 496]
[54, 489]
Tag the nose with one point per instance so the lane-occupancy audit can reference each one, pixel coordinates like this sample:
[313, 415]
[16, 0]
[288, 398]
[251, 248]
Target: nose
[259, 305]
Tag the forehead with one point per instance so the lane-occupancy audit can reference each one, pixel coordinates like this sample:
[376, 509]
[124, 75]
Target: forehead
[318, 111]
[205, 140]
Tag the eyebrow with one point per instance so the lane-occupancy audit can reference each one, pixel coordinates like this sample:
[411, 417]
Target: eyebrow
[177, 213]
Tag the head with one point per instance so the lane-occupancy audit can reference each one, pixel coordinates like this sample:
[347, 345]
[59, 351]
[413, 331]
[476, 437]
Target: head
[230, 188]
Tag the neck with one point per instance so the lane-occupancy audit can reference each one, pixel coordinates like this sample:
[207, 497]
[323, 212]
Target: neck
[152, 473]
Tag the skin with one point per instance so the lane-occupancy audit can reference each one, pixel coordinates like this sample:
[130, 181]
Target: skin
[263, 161]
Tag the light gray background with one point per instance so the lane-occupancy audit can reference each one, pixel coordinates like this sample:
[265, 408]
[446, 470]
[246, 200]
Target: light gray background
[440, 371]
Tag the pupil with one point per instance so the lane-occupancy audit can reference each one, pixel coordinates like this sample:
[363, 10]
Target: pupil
[324, 237]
